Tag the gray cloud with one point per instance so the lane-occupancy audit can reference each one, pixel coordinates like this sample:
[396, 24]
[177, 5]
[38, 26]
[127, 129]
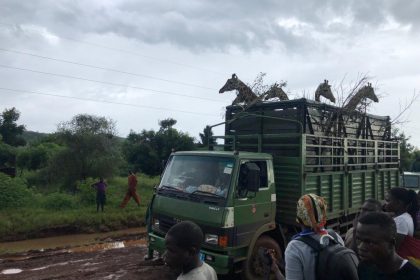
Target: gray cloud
[212, 25]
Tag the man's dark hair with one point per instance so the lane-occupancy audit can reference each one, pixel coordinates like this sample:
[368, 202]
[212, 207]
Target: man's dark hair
[376, 202]
[187, 234]
[385, 222]
[409, 198]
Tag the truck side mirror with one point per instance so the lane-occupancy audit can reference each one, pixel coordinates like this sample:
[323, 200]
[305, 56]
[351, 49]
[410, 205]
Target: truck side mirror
[249, 177]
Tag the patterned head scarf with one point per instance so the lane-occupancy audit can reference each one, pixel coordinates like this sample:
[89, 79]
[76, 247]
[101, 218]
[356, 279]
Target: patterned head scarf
[311, 212]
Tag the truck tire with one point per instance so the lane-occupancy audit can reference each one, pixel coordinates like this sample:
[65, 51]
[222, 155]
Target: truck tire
[253, 268]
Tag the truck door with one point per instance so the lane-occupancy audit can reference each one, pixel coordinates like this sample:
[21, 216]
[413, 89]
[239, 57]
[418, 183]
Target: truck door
[253, 209]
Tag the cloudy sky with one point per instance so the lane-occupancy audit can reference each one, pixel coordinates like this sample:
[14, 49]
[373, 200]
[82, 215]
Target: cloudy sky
[138, 62]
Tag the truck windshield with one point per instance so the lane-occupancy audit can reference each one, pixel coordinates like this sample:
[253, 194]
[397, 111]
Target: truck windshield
[198, 175]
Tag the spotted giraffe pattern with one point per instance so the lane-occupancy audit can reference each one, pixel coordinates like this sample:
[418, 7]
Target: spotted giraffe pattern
[244, 93]
[324, 89]
[365, 92]
[276, 91]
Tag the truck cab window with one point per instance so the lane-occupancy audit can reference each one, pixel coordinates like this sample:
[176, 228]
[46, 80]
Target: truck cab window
[261, 166]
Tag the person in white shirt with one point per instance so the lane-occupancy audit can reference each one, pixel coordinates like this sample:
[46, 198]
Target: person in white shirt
[404, 204]
[183, 243]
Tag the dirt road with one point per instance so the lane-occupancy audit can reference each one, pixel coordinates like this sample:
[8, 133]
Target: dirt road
[119, 263]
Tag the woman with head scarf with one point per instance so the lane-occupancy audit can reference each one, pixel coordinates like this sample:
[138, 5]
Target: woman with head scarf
[300, 258]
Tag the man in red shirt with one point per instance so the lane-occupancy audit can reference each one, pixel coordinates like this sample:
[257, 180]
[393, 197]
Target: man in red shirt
[131, 192]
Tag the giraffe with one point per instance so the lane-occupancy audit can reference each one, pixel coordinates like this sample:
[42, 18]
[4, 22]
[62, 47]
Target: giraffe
[276, 91]
[324, 89]
[244, 93]
[365, 92]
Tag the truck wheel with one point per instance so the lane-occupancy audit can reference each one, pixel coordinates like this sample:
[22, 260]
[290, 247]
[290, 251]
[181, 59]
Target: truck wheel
[254, 267]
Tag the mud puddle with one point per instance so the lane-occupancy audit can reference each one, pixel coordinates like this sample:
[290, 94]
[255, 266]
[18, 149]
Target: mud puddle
[129, 237]
[113, 255]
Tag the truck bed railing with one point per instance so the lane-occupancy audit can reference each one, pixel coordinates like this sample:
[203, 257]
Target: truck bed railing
[317, 153]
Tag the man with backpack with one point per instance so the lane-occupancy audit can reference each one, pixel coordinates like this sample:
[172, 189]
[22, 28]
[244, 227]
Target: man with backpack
[316, 253]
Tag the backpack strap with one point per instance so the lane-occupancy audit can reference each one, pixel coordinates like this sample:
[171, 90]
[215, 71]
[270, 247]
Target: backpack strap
[315, 245]
[334, 235]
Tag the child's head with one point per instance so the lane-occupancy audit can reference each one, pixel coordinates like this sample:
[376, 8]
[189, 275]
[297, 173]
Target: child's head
[183, 242]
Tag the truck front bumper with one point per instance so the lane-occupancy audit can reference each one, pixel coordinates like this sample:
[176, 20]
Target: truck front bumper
[222, 263]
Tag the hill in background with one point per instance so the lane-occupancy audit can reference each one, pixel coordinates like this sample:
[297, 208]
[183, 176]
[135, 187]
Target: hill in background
[33, 136]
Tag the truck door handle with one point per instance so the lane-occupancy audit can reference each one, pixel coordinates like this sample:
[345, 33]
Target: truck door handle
[266, 215]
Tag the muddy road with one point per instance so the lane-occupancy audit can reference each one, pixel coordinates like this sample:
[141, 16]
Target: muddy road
[118, 263]
[108, 257]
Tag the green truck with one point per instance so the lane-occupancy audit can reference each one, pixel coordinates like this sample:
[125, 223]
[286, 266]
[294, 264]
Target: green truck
[243, 190]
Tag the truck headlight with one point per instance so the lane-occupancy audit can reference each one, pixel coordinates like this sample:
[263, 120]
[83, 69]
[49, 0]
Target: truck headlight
[211, 239]
[214, 239]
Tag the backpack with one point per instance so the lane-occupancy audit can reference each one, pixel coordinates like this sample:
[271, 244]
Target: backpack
[333, 261]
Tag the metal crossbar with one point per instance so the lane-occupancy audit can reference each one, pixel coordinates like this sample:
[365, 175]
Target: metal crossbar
[319, 151]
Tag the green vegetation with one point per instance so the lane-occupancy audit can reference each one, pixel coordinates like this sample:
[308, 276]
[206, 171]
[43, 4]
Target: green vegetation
[51, 192]
[47, 189]
[148, 150]
[27, 213]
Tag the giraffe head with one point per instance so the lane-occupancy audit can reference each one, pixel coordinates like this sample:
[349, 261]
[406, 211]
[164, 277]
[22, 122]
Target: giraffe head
[276, 91]
[231, 84]
[369, 92]
[324, 89]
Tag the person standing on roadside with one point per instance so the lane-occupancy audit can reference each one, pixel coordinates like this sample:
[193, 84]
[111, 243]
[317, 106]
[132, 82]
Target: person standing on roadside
[131, 192]
[100, 187]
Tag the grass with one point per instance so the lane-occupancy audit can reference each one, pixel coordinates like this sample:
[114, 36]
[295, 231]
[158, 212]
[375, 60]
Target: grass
[40, 217]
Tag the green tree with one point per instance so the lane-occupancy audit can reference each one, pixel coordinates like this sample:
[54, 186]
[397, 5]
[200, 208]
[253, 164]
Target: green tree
[206, 136]
[90, 149]
[147, 150]
[140, 151]
[7, 155]
[406, 149]
[11, 132]
[167, 123]
[13, 192]
[36, 157]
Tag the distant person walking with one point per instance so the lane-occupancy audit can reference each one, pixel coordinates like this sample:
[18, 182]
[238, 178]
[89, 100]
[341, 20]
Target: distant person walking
[100, 193]
[131, 192]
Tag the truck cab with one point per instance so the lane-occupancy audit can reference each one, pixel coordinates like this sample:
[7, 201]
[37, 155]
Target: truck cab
[230, 195]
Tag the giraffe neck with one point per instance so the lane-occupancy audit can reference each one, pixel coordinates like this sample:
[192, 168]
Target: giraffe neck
[318, 94]
[355, 100]
[244, 89]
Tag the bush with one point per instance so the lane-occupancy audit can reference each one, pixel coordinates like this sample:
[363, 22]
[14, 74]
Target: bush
[86, 194]
[59, 201]
[13, 192]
